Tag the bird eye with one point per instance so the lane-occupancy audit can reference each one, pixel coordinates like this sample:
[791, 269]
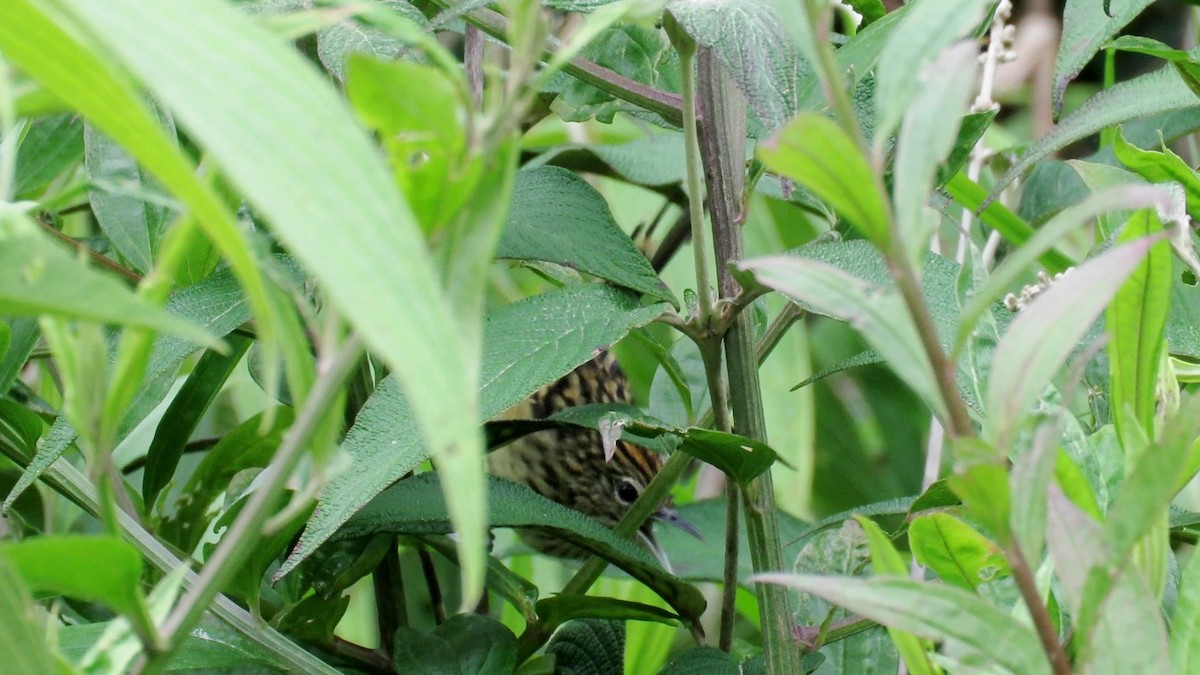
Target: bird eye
[627, 491]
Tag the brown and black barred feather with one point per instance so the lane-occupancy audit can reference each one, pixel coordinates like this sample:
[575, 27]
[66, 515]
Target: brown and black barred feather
[568, 465]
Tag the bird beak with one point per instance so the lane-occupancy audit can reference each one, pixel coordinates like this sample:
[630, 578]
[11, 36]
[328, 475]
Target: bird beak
[668, 514]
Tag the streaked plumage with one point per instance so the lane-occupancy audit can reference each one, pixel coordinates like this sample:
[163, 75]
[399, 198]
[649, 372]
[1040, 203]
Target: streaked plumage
[568, 465]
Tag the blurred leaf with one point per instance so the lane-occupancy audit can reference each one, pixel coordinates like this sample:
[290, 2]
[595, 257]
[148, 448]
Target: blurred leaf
[40, 277]
[424, 136]
[1185, 622]
[20, 336]
[702, 661]
[814, 151]
[301, 182]
[96, 568]
[414, 506]
[856, 58]
[957, 552]
[558, 217]
[22, 633]
[337, 43]
[1045, 333]
[750, 41]
[927, 135]
[520, 592]
[1085, 31]
[933, 611]
[997, 216]
[985, 490]
[527, 345]
[589, 647]
[929, 27]
[51, 145]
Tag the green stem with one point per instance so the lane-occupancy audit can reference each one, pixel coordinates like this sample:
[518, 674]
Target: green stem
[723, 143]
[236, 544]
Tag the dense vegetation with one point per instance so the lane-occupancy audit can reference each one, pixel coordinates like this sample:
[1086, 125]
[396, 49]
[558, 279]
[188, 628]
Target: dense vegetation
[272, 271]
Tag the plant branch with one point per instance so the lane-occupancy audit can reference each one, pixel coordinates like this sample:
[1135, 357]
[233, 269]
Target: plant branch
[1023, 576]
[234, 546]
[665, 104]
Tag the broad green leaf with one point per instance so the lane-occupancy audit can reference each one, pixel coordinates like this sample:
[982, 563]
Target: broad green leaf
[813, 151]
[414, 506]
[589, 647]
[301, 182]
[1076, 543]
[985, 490]
[1159, 167]
[1085, 31]
[558, 217]
[1185, 622]
[1032, 472]
[96, 568]
[879, 314]
[1157, 92]
[183, 415]
[418, 652]
[51, 145]
[957, 552]
[22, 632]
[750, 41]
[127, 204]
[702, 661]
[339, 42]
[481, 645]
[929, 27]
[39, 276]
[526, 345]
[933, 611]
[739, 457]
[1045, 333]
[1135, 321]
[1128, 610]
[886, 560]
[117, 647]
[927, 136]
[21, 337]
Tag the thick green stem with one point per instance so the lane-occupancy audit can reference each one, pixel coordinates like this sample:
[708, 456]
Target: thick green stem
[723, 145]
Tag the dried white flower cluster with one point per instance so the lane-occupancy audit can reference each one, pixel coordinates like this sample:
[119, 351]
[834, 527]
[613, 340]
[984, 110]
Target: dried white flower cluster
[1016, 303]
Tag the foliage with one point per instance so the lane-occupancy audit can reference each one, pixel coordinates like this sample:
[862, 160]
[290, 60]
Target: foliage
[276, 275]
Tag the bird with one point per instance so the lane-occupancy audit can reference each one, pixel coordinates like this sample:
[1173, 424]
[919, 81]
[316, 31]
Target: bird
[568, 465]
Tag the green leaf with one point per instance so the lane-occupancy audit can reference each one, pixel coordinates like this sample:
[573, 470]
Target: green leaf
[1045, 333]
[301, 182]
[750, 41]
[96, 568]
[1085, 31]
[481, 645]
[417, 652]
[22, 633]
[126, 202]
[213, 644]
[702, 661]
[1159, 167]
[1076, 543]
[998, 217]
[878, 313]
[556, 216]
[927, 136]
[985, 490]
[928, 28]
[527, 345]
[1157, 92]
[857, 58]
[414, 506]
[184, 413]
[1185, 622]
[589, 647]
[560, 609]
[424, 135]
[933, 611]
[520, 592]
[51, 145]
[22, 337]
[339, 42]
[957, 552]
[1136, 320]
[814, 151]
[741, 458]
[886, 560]
[39, 276]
